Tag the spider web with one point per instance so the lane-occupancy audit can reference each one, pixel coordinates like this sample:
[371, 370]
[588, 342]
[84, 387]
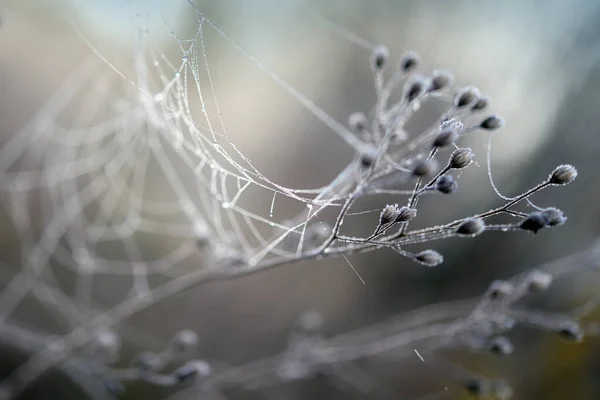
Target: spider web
[137, 179]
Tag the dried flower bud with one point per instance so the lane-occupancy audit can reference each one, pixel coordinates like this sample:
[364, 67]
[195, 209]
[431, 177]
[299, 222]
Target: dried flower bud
[481, 104]
[358, 122]
[571, 331]
[424, 167]
[430, 258]
[148, 361]
[389, 214]
[406, 214]
[446, 184]
[534, 222]
[500, 289]
[192, 369]
[446, 136]
[500, 346]
[368, 156]
[563, 174]
[466, 97]
[439, 80]
[461, 158]
[492, 123]
[379, 57]
[553, 216]
[414, 88]
[471, 227]
[538, 281]
[183, 342]
[409, 62]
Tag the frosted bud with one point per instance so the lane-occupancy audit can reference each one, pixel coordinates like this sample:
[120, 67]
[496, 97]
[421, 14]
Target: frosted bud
[430, 258]
[461, 158]
[183, 342]
[424, 167]
[148, 361]
[477, 387]
[571, 331]
[440, 80]
[553, 216]
[447, 135]
[471, 227]
[358, 122]
[563, 174]
[368, 156]
[192, 369]
[534, 222]
[481, 104]
[492, 123]
[538, 281]
[466, 97]
[379, 57]
[500, 346]
[409, 62]
[414, 88]
[389, 214]
[500, 289]
[446, 184]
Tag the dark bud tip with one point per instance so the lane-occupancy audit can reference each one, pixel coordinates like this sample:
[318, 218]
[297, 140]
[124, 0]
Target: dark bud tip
[424, 167]
[492, 123]
[500, 346]
[500, 289]
[563, 174]
[553, 217]
[358, 122]
[409, 62]
[379, 58]
[461, 158]
[446, 137]
[413, 89]
[534, 222]
[466, 97]
[430, 258]
[471, 227]
[481, 104]
[571, 332]
[440, 80]
[446, 184]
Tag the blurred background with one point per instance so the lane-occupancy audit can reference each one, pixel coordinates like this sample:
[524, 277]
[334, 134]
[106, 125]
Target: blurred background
[539, 63]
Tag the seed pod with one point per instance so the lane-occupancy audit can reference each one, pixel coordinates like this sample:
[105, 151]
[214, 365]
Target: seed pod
[562, 175]
[471, 227]
[389, 214]
[571, 332]
[424, 167]
[439, 80]
[148, 361]
[538, 281]
[492, 123]
[500, 289]
[534, 222]
[379, 58]
[446, 136]
[461, 158]
[368, 156]
[409, 62]
[413, 89]
[500, 346]
[553, 216]
[477, 387]
[430, 258]
[446, 184]
[466, 97]
[358, 122]
[481, 104]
